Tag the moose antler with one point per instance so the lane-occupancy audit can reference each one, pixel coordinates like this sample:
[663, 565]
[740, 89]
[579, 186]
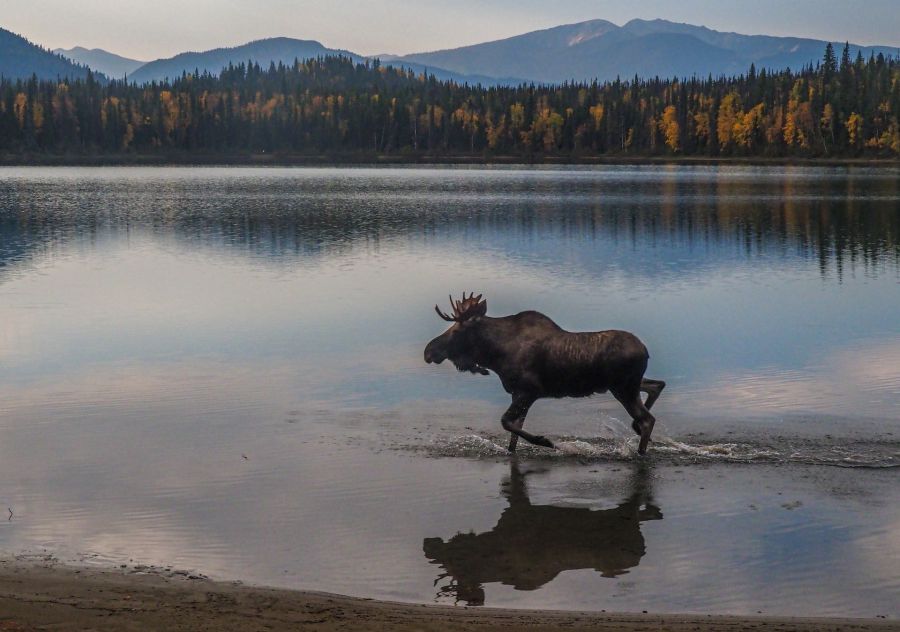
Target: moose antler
[449, 319]
[465, 309]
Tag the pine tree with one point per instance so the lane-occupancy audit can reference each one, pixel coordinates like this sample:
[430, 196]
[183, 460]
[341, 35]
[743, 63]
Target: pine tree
[829, 64]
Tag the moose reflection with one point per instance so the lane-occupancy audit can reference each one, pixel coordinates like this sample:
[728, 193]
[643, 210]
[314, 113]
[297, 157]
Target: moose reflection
[532, 544]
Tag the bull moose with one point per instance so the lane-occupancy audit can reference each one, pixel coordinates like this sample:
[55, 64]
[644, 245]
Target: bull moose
[535, 358]
[533, 543]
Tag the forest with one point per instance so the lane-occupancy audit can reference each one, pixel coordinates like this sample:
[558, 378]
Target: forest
[840, 107]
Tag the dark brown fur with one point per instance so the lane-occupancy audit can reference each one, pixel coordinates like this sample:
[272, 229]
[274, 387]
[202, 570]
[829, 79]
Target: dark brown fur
[535, 358]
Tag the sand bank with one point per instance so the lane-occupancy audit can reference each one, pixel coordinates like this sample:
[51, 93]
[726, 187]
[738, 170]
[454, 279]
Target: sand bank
[38, 596]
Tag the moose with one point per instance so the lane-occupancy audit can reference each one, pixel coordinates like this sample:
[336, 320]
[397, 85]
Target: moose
[536, 358]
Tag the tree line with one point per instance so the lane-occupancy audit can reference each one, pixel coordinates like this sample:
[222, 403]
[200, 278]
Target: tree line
[332, 106]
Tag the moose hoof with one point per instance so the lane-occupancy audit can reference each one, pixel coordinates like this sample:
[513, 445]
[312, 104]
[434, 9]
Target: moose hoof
[544, 441]
[642, 448]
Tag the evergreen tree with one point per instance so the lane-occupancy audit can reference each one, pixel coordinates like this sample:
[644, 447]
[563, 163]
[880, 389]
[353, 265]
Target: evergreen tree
[829, 63]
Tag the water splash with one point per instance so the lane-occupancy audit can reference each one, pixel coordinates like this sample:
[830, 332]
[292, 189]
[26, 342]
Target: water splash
[740, 452]
[470, 445]
[860, 454]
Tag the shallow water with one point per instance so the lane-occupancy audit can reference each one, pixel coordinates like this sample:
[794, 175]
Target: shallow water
[221, 369]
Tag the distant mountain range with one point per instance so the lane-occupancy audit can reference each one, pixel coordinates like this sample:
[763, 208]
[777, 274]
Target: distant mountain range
[267, 51]
[20, 59]
[596, 49]
[599, 49]
[264, 52]
[112, 65]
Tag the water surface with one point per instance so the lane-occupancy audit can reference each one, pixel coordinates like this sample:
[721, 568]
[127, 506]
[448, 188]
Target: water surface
[221, 369]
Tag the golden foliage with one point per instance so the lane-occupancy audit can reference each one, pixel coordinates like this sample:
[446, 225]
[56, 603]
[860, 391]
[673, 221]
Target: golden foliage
[670, 128]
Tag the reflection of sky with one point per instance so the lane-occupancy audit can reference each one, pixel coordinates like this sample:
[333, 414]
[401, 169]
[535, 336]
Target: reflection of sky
[156, 324]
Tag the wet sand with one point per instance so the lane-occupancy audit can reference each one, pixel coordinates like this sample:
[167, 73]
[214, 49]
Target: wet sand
[41, 596]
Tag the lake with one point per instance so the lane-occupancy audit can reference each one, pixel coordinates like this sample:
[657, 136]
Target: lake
[220, 369]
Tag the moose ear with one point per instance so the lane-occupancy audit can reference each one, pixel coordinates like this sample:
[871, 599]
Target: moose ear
[481, 309]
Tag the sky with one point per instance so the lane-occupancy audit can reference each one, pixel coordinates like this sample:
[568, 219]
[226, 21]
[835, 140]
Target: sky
[149, 30]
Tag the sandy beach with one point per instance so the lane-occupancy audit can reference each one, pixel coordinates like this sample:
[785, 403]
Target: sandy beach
[48, 596]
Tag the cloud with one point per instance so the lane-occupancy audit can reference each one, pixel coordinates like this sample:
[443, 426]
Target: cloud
[861, 381]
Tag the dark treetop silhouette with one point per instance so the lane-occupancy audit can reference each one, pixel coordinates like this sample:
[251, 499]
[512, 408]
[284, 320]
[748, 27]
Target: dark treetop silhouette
[534, 358]
[532, 544]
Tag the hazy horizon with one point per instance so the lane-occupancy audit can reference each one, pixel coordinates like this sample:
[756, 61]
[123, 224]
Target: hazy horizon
[146, 31]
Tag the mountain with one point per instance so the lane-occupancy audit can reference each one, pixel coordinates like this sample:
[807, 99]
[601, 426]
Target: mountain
[263, 52]
[285, 50]
[599, 49]
[443, 74]
[110, 64]
[20, 59]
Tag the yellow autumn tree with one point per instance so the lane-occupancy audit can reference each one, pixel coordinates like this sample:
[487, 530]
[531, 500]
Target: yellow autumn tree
[470, 122]
[517, 116]
[169, 107]
[548, 126]
[799, 122]
[37, 116]
[19, 107]
[747, 127]
[597, 112]
[495, 130]
[729, 110]
[670, 128]
[854, 125]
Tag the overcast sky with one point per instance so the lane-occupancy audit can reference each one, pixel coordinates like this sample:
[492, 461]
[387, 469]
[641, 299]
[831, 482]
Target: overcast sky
[148, 30]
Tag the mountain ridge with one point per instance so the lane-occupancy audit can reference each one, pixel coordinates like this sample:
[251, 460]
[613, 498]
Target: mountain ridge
[279, 50]
[602, 50]
[21, 59]
[582, 51]
[262, 51]
[110, 64]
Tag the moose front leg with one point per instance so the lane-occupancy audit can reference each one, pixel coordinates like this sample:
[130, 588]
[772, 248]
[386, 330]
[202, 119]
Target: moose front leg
[513, 420]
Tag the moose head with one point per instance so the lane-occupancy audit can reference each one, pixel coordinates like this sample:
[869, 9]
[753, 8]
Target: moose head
[460, 342]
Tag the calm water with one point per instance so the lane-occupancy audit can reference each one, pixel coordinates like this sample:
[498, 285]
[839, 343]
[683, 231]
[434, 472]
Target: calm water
[221, 370]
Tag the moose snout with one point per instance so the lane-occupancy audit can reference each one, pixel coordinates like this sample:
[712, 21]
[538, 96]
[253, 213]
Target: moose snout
[432, 354]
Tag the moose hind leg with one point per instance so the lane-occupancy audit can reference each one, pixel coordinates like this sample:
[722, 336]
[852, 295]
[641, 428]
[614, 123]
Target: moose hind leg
[513, 420]
[643, 421]
[514, 438]
[653, 388]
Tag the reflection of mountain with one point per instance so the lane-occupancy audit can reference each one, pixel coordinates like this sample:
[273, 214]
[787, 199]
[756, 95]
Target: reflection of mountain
[532, 544]
[639, 222]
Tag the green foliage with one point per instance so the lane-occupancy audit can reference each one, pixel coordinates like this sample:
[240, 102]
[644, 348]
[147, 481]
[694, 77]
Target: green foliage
[334, 106]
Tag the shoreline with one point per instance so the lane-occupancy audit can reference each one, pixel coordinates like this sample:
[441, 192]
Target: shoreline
[325, 160]
[47, 595]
